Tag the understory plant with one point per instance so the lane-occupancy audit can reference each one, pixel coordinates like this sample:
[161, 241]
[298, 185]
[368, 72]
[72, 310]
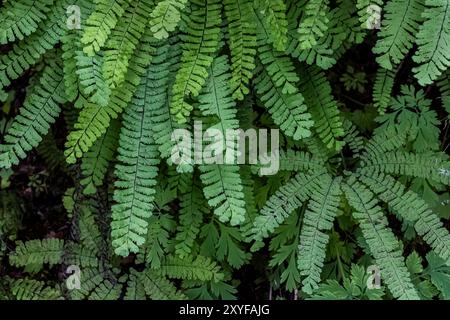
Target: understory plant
[94, 205]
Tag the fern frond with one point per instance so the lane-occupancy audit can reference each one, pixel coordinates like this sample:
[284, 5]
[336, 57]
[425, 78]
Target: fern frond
[29, 289]
[89, 239]
[193, 209]
[433, 42]
[136, 173]
[366, 9]
[432, 166]
[198, 52]
[318, 219]
[157, 241]
[272, 14]
[224, 191]
[324, 110]
[21, 18]
[71, 51]
[411, 207]
[158, 90]
[96, 161]
[27, 52]
[444, 88]
[314, 23]
[40, 109]
[399, 27]
[82, 256]
[353, 139]
[93, 119]
[242, 43]
[97, 284]
[53, 156]
[382, 89]
[322, 53]
[383, 244]
[93, 84]
[288, 111]
[159, 288]
[135, 287]
[34, 254]
[222, 182]
[289, 197]
[291, 160]
[200, 268]
[124, 40]
[100, 23]
[278, 66]
[165, 17]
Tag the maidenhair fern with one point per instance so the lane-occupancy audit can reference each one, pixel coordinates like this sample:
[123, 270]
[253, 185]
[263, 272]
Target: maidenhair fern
[353, 94]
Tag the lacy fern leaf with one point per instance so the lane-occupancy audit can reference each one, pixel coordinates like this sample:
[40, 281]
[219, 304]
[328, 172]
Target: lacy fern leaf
[39, 111]
[198, 51]
[398, 30]
[136, 172]
[433, 42]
